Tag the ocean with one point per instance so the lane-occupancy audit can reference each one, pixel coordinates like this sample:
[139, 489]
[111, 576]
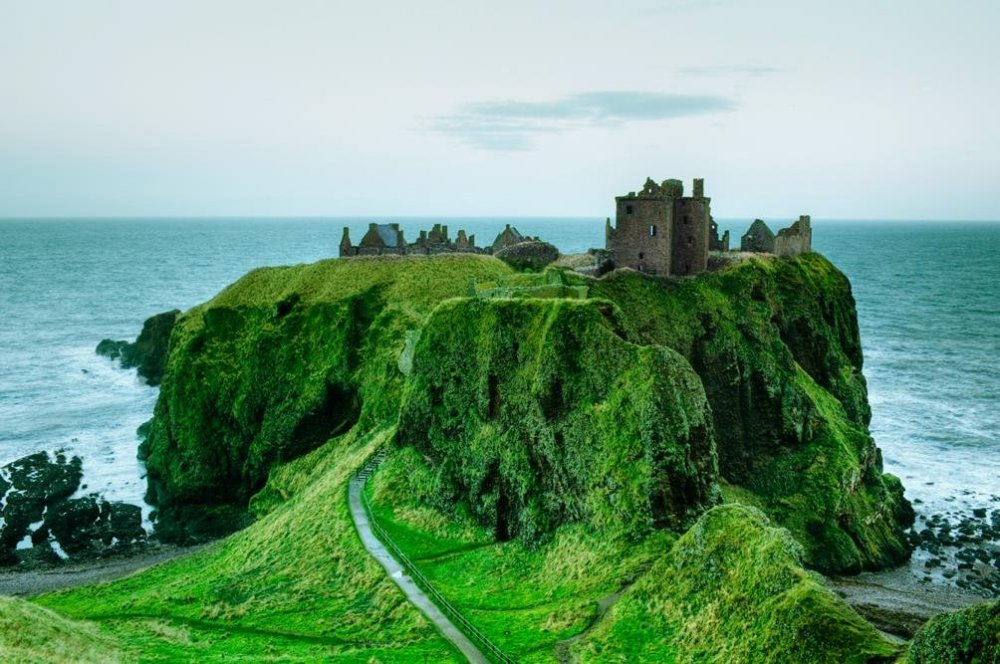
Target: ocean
[926, 292]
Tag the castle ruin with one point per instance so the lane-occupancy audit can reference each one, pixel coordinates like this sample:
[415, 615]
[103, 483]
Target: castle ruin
[791, 241]
[660, 230]
[387, 240]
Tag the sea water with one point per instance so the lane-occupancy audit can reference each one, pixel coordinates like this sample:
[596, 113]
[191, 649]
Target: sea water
[927, 298]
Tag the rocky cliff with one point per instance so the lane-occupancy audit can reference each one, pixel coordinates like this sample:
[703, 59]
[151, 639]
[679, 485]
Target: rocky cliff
[631, 410]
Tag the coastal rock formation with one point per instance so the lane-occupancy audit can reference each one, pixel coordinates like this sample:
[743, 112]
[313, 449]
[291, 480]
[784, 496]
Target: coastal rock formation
[276, 365]
[40, 520]
[508, 400]
[148, 354]
[288, 358]
[777, 348]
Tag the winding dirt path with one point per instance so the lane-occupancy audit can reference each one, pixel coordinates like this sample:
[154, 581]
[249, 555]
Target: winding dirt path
[401, 579]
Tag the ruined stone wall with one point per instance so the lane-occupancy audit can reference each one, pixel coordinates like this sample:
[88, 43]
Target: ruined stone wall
[796, 239]
[691, 230]
[642, 235]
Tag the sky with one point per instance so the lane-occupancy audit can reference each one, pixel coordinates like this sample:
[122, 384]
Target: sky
[869, 110]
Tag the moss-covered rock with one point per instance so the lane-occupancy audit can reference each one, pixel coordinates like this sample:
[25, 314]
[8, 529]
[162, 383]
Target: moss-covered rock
[970, 636]
[537, 413]
[277, 364]
[530, 255]
[732, 589]
[148, 354]
[776, 344]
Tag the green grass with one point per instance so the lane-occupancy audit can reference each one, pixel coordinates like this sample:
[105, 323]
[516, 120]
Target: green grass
[732, 589]
[30, 634]
[526, 599]
[297, 583]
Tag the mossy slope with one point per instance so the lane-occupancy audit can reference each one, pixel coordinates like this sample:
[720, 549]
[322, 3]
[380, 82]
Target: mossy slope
[732, 590]
[277, 364]
[536, 413]
[775, 343]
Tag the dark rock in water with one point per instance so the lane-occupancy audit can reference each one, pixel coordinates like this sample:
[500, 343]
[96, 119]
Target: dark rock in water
[148, 354]
[529, 255]
[29, 486]
[35, 505]
[113, 349]
[979, 512]
[89, 525]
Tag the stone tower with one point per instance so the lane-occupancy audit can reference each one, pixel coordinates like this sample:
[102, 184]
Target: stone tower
[661, 231]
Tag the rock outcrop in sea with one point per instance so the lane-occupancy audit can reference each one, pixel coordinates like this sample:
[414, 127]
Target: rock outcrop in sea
[41, 521]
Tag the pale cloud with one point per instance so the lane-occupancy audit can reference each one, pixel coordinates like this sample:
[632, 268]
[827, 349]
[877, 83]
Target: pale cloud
[514, 125]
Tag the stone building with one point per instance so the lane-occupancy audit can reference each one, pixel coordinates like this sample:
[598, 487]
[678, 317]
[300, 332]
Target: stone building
[661, 231]
[387, 239]
[796, 239]
[715, 243]
[758, 238]
[791, 241]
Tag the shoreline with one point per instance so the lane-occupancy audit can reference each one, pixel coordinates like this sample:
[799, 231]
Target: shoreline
[38, 580]
[898, 604]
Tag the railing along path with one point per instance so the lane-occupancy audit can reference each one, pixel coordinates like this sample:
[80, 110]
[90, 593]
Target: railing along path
[418, 577]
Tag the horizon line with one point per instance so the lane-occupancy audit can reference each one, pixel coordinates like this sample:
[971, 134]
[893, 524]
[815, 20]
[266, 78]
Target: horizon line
[374, 218]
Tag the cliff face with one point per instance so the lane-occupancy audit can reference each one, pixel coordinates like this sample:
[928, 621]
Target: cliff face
[538, 412]
[276, 365]
[776, 345]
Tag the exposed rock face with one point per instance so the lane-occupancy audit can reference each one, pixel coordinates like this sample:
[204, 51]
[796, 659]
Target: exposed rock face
[531, 255]
[777, 348]
[36, 507]
[148, 354]
[536, 413]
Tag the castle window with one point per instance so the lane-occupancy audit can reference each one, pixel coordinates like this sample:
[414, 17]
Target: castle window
[641, 255]
[628, 209]
[690, 239]
[652, 231]
[687, 219]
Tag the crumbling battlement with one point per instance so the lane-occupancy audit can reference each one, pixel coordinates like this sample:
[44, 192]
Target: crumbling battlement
[387, 239]
[791, 241]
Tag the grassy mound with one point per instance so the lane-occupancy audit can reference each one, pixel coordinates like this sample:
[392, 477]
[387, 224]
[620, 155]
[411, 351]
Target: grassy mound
[775, 343]
[536, 413]
[32, 634]
[732, 590]
[971, 635]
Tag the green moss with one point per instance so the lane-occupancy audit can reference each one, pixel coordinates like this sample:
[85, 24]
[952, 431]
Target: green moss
[277, 364]
[30, 634]
[971, 635]
[732, 590]
[536, 413]
[775, 343]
